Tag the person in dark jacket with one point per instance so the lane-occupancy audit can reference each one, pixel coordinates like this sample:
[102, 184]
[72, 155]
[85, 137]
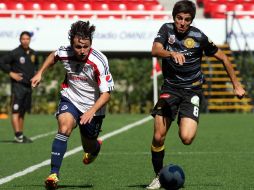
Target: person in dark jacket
[20, 64]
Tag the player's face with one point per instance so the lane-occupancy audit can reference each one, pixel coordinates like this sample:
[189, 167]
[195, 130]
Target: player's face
[25, 41]
[182, 22]
[81, 47]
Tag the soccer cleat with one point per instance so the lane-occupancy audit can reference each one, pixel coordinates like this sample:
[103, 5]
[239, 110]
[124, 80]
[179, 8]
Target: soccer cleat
[27, 140]
[51, 182]
[89, 157]
[155, 184]
[18, 139]
[22, 139]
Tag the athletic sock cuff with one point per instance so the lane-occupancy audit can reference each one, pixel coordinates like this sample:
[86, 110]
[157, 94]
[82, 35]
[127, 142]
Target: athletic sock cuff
[157, 149]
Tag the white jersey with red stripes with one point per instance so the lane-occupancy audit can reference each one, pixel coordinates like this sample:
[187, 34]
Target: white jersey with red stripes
[84, 81]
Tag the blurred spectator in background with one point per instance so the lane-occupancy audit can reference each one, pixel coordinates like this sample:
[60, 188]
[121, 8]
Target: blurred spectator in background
[20, 64]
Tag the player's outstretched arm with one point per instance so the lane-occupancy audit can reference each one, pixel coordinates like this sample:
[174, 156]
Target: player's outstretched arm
[88, 116]
[159, 51]
[35, 81]
[238, 89]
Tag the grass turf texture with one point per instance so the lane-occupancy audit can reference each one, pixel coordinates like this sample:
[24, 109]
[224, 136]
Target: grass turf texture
[221, 156]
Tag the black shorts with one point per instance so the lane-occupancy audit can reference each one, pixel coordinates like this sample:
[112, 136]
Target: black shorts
[184, 102]
[21, 98]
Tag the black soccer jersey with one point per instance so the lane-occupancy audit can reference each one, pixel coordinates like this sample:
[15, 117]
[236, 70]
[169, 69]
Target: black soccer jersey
[20, 61]
[192, 44]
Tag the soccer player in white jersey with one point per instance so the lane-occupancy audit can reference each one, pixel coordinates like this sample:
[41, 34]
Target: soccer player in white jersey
[85, 92]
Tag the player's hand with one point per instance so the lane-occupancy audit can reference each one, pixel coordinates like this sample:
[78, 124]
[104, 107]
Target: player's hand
[239, 92]
[178, 57]
[35, 81]
[16, 76]
[87, 117]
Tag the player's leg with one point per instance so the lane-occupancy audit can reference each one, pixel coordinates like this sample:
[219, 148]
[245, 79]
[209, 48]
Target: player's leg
[66, 116]
[189, 116]
[89, 134]
[17, 110]
[187, 130]
[26, 107]
[161, 126]
[164, 113]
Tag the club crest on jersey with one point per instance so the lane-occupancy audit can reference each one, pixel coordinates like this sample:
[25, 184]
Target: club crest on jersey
[189, 43]
[33, 58]
[85, 69]
[171, 39]
[22, 60]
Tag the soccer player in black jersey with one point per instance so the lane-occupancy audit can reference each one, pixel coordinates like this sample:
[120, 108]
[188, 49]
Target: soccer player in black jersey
[181, 47]
[20, 64]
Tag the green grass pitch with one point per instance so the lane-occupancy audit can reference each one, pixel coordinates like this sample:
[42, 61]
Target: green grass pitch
[220, 158]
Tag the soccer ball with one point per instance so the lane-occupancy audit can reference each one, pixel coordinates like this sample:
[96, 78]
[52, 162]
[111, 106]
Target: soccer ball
[172, 177]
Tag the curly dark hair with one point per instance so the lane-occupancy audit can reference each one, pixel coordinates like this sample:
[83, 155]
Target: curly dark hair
[81, 29]
[184, 6]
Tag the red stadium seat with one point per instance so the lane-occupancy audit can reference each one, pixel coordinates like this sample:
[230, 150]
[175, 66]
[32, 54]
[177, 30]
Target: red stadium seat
[150, 2]
[83, 6]
[207, 7]
[130, 17]
[218, 10]
[153, 7]
[32, 5]
[235, 8]
[249, 7]
[135, 7]
[15, 6]
[49, 6]
[66, 6]
[100, 6]
[117, 7]
[116, 1]
[3, 6]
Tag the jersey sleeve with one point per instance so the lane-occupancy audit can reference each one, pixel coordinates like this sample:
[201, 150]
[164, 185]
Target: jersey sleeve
[106, 82]
[5, 62]
[209, 47]
[162, 35]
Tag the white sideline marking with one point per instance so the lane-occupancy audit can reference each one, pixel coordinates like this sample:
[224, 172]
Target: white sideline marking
[73, 151]
[43, 135]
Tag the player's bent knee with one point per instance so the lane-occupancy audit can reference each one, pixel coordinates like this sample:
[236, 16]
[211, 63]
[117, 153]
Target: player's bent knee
[159, 139]
[187, 141]
[65, 130]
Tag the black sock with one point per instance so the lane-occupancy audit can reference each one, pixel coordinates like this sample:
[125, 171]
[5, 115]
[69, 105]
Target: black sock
[97, 150]
[18, 134]
[157, 160]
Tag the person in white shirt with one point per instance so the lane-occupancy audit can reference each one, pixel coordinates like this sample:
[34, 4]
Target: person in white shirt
[84, 95]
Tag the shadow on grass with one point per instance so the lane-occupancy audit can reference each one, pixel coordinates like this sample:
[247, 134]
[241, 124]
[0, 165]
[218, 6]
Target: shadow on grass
[141, 186]
[204, 185]
[75, 186]
[8, 141]
[86, 186]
